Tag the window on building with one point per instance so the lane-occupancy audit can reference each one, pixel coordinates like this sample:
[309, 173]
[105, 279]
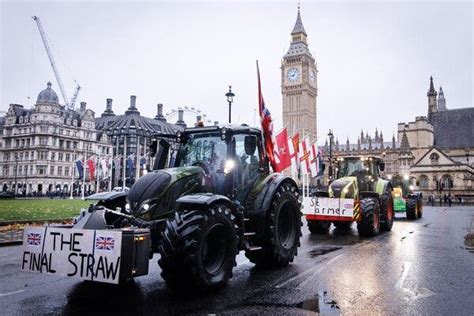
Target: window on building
[44, 129]
[66, 171]
[61, 143]
[41, 170]
[53, 155]
[447, 182]
[31, 169]
[60, 171]
[68, 157]
[423, 182]
[60, 156]
[434, 157]
[68, 144]
[43, 141]
[51, 170]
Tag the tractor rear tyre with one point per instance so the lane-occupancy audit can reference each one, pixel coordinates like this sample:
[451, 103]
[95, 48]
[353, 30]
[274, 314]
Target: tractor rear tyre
[411, 207]
[319, 227]
[198, 248]
[282, 230]
[370, 224]
[386, 205]
[342, 225]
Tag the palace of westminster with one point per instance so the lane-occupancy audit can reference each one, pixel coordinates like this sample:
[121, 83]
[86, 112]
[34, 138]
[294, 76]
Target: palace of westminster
[39, 146]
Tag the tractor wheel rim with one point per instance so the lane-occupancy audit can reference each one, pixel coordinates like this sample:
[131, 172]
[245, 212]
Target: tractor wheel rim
[285, 226]
[376, 219]
[214, 249]
[390, 210]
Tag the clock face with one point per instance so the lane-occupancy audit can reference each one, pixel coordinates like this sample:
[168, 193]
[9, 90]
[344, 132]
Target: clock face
[293, 74]
[312, 75]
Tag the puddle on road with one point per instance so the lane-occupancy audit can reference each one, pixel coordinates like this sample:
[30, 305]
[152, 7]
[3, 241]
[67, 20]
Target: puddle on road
[321, 304]
[323, 250]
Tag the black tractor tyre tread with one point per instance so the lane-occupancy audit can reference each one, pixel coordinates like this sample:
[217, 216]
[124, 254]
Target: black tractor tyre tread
[368, 207]
[384, 200]
[411, 204]
[272, 254]
[342, 225]
[181, 261]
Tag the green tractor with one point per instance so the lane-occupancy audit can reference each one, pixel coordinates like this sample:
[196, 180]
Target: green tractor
[358, 194]
[211, 195]
[405, 200]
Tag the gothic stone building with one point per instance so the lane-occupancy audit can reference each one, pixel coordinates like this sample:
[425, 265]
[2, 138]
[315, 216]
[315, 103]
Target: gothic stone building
[38, 146]
[299, 85]
[435, 151]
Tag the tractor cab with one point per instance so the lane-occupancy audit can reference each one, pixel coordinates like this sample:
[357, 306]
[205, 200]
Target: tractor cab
[365, 169]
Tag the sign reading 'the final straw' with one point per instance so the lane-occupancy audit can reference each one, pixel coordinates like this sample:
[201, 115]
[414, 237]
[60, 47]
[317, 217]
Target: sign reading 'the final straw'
[86, 254]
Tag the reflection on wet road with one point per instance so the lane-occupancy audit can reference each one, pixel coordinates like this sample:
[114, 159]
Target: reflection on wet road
[421, 267]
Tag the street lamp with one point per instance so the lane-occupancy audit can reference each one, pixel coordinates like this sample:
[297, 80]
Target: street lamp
[230, 98]
[331, 137]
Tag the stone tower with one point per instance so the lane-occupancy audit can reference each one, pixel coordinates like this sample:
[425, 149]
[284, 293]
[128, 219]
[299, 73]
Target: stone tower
[432, 104]
[299, 85]
[441, 100]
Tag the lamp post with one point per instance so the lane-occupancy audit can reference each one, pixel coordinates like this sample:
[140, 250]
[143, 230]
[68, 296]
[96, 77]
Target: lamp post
[16, 174]
[331, 137]
[230, 98]
[467, 157]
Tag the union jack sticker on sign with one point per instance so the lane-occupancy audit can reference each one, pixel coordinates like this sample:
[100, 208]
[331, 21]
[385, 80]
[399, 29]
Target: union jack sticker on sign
[104, 243]
[33, 239]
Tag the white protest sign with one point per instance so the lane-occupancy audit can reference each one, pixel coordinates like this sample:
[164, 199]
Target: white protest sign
[86, 254]
[323, 206]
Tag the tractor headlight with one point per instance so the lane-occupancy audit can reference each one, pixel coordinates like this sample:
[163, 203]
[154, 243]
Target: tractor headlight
[224, 133]
[127, 207]
[345, 191]
[229, 165]
[146, 207]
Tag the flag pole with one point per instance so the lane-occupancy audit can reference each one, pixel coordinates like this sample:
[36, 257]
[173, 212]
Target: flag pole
[84, 175]
[72, 173]
[97, 166]
[110, 172]
[137, 163]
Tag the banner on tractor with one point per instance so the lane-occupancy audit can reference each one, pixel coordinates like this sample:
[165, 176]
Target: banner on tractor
[323, 208]
[86, 254]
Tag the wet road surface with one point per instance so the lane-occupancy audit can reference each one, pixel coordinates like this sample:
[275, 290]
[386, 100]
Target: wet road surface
[420, 267]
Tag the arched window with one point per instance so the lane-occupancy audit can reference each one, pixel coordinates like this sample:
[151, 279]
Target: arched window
[423, 182]
[434, 157]
[447, 182]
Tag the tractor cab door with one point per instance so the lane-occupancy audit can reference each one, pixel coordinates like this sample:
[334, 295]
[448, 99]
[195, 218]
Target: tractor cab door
[246, 153]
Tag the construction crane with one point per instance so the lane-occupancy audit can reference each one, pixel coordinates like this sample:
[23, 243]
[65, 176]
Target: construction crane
[68, 102]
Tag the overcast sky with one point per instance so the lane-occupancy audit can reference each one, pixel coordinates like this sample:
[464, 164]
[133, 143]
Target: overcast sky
[374, 58]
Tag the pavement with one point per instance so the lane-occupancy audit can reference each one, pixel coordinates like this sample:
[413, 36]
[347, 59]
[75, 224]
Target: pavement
[421, 267]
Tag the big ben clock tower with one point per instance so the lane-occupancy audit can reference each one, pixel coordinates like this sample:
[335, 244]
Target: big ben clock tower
[299, 87]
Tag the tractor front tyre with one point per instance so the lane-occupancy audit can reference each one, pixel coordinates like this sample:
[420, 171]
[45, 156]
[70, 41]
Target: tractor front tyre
[319, 227]
[412, 207]
[198, 248]
[370, 224]
[282, 232]
[386, 205]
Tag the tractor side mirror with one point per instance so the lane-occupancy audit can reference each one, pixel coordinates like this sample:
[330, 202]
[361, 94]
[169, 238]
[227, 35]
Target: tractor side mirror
[250, 144]
[382, 166]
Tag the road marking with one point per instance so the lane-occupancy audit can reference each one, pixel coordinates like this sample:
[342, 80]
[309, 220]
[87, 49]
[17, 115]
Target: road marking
[11, 293]
[406, 268]
[316, 270]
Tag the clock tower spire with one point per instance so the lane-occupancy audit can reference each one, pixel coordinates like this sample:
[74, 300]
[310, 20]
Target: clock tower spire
[299, 84]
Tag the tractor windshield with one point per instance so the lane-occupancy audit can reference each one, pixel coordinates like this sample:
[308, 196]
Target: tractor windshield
[204, 150]
[356, 167]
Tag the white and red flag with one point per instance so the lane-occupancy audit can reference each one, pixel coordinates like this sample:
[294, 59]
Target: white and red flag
[314, 160]
[91, 165]
[267, 127]
[304, 152]
[283, 150]
[293, 144]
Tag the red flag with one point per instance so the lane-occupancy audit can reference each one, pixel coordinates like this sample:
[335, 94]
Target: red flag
[283, 150]
[293, 144]
[91, 165]
[304, 154]
[267, 126]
